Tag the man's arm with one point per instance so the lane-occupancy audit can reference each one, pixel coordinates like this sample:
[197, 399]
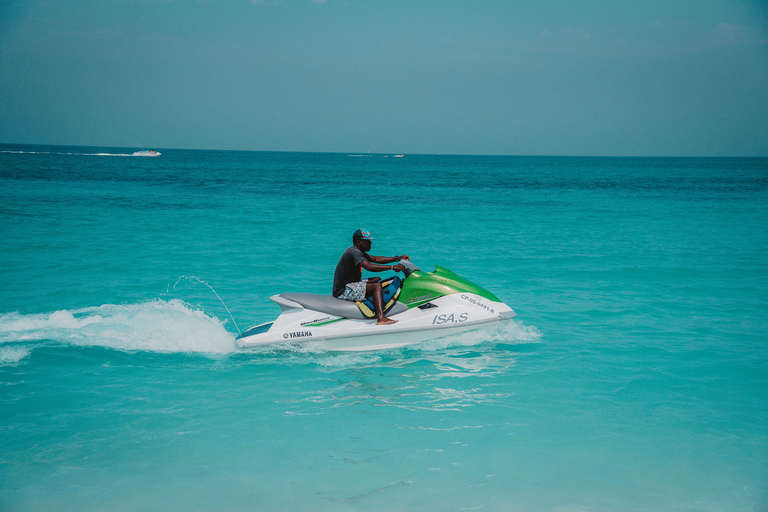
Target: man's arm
[387, 259]
[373, 267]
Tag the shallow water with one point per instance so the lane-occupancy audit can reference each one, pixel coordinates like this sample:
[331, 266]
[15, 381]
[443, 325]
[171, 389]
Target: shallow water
[635, 376]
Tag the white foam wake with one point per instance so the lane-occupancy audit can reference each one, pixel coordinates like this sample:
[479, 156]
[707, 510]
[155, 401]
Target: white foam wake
[156, 326]
[511, 332]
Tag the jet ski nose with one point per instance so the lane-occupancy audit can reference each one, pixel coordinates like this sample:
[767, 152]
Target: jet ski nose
[507, 314]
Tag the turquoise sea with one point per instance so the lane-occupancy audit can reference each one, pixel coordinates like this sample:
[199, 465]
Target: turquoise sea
[634, 378]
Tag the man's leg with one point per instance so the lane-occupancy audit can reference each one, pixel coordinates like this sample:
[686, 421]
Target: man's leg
[374, 290]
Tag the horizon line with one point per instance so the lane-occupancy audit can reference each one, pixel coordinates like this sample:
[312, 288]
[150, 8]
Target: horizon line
[384, 153]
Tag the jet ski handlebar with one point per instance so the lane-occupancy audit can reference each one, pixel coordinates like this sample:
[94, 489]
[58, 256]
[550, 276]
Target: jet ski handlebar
[408, 267]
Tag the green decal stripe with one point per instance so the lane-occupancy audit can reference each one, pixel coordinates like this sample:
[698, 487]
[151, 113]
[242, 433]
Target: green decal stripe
[421, 302]
[318, 324]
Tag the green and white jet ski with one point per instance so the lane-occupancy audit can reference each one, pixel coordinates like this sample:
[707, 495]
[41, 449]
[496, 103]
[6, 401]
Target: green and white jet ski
[426, 304]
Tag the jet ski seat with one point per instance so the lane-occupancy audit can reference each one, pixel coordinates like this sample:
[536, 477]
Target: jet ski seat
[327, 304]
[344, 308]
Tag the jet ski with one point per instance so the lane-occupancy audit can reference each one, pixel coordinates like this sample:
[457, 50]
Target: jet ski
[426, 304]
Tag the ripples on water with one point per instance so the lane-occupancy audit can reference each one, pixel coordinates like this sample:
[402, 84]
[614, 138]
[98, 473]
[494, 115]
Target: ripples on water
[633, 378]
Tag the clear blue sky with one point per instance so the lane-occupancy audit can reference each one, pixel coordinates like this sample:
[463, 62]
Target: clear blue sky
[538, 77]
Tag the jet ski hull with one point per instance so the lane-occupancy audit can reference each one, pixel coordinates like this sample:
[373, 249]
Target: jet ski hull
[442, 316]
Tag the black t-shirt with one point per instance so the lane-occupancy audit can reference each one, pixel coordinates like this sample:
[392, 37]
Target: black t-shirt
[348, 269]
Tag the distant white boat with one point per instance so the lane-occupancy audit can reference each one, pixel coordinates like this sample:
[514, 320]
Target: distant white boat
[399, 156]
[147, 153]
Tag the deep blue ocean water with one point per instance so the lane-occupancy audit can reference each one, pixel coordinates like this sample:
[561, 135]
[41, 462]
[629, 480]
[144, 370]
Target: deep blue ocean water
[635, 376]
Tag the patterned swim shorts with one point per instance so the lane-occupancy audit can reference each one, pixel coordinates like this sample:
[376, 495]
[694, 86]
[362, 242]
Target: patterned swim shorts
[354, 291]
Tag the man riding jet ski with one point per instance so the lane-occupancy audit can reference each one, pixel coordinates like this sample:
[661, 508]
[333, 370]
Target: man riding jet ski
[422, 306]
[348, 282]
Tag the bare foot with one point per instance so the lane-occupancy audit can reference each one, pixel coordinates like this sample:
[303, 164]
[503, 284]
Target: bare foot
[386, 321]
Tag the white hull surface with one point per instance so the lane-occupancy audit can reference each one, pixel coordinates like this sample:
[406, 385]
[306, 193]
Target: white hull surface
[445, 315]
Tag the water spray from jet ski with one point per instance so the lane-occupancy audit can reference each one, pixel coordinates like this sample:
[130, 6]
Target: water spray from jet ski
[190, 278]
